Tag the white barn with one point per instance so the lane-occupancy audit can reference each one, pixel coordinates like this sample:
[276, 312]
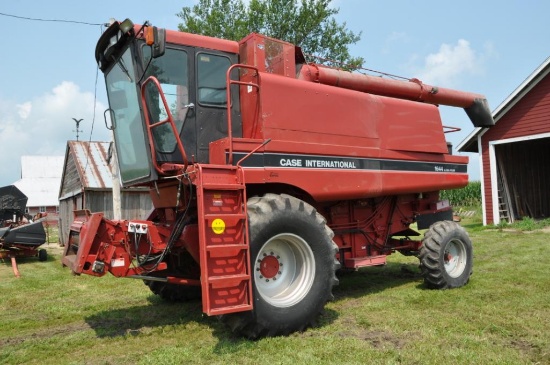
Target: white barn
[40, 180]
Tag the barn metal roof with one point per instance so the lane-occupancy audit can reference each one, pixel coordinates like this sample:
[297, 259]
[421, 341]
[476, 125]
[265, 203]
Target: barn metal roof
[40, 179]
[91, 159]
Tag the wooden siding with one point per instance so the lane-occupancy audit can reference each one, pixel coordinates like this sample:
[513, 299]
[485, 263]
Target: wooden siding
[529, 116]
[71, 178]
[66, 209]
[134, 205]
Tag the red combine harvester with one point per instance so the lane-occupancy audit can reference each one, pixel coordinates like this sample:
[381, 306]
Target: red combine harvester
[268, 174]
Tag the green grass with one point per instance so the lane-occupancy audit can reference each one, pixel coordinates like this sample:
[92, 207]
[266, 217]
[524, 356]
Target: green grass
[524, 224]
[380, 315]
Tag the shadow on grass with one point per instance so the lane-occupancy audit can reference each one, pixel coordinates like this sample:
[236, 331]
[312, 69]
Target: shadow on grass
[143, 319]
[371, 280]
[22, 260]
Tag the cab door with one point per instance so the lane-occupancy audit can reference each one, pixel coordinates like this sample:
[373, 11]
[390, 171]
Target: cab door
[211, 96]
[193, 81]
[175, 73]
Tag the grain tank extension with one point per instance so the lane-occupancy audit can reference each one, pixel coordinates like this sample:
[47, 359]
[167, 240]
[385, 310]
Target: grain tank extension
[268, 174]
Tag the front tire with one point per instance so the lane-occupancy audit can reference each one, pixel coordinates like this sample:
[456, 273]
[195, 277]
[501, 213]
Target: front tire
[293, 267]
[446, 256]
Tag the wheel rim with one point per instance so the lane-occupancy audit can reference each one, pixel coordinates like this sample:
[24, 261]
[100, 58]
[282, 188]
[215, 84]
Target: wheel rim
[455, 258]
[284, 270]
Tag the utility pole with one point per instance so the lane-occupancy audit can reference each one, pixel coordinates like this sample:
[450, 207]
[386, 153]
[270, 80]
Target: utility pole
[77, 121]
[113, 161]
[117, 210]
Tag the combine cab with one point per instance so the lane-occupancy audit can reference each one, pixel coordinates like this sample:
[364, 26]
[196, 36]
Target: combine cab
[268, 174]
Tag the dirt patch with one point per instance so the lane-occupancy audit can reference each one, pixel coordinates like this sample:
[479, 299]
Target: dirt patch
[378, 339]
[533, 351]
[44, 333]
[353, 329]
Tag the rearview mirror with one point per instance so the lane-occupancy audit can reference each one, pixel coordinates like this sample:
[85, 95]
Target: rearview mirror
[156, 38]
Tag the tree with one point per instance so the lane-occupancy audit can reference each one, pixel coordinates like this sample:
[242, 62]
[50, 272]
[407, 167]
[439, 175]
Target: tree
[309, 24]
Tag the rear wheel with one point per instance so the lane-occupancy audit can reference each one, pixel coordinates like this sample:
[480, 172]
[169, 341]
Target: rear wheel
[293, 264]
[446, 256]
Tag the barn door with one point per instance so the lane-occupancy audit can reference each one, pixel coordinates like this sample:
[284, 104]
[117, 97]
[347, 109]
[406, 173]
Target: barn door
[524, 174]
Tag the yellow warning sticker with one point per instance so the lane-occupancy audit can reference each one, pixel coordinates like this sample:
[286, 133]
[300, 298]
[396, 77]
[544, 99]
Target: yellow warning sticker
[218, 226]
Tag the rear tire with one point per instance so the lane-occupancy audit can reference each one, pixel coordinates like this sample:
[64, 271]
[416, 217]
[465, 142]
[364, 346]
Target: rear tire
[293, 267]
[446, 256]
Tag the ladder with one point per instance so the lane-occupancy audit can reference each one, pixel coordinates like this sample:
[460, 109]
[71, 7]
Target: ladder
[223, 240]
[504, 203]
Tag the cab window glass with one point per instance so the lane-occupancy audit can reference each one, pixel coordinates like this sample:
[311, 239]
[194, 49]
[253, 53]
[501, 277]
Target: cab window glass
[172, 72]
[211, 79]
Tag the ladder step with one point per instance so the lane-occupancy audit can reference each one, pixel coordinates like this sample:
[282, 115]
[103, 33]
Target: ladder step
[225, 216]
[223, 187]
[230, 309]
[232, 246]
[228, 280]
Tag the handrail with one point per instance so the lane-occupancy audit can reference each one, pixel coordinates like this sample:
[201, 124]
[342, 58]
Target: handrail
[228, 92]
[169, 119]
[253, 151]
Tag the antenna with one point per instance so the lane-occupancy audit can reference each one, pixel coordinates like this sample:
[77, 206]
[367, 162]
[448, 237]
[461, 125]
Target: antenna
[77, 121]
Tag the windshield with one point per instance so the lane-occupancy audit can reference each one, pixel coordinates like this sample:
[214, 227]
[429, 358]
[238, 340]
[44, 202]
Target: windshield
[125, 110]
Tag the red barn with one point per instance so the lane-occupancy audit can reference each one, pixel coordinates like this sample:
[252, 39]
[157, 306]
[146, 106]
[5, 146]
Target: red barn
[515, 153]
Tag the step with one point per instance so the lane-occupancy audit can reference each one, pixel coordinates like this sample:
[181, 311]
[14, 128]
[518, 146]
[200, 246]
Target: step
[230, 309]
[228, 280]
[228, 216]
[235, 186]
[230, 246]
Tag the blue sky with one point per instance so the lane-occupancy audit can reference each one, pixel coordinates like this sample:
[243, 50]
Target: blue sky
[48, 69]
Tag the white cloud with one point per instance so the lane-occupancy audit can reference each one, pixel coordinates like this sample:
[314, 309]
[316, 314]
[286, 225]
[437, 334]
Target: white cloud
[42, 126]
[450, 63]
[24, 109]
